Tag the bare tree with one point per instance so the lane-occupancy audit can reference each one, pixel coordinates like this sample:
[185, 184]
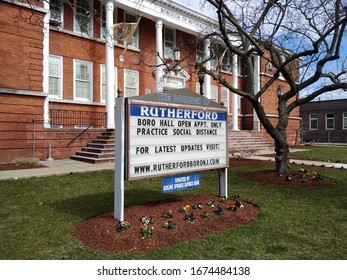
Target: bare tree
[301, 39]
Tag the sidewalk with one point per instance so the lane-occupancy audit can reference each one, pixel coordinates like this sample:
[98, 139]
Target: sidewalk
[55, 167]
[59, 167]
[264, 155]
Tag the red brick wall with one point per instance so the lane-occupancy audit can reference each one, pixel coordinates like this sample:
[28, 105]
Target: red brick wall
[22, 133]
[21, 48]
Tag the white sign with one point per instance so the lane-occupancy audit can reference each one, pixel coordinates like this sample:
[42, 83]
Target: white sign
[168, 139]
[169, 133]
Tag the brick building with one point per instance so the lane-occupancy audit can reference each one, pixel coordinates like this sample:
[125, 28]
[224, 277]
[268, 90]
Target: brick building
[324, 121]
[54, 94]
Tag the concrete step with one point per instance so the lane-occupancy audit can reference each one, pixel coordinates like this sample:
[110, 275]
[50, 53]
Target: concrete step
[95, 155]
[92, 160]
[99, 150]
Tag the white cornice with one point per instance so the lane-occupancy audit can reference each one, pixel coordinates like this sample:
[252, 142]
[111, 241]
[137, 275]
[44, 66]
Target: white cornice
[173, 14]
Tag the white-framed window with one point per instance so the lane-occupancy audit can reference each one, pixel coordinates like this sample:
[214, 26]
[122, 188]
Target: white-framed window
[169, 42]
[225, 97]
[83, 74]
[344, 120]
[214, 93]
[56, 14]
[103, 19]
[329, 121]
[313, 118]
[129, 18]
[131, 83]
[199, 52]
[55, 76]
[83, 17]
[226, 62]
[103, 83]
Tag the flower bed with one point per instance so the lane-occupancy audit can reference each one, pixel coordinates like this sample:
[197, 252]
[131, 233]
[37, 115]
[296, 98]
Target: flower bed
[165, 223]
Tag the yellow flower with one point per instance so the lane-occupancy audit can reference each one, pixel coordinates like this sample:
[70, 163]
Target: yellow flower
[187, 208]
[166, 224]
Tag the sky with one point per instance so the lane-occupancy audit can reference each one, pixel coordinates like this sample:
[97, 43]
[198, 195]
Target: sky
[195, 5]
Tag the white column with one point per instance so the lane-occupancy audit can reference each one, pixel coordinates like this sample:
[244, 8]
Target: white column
[45, 84]
[110, 95]
[235, 97]
[159, 57]
[256, 124]
[207, 78]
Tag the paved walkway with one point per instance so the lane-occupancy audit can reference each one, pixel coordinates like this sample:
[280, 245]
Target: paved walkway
[59, 167]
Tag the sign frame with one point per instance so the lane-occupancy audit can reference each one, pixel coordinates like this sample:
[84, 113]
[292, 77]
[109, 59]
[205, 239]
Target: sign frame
[186, 99]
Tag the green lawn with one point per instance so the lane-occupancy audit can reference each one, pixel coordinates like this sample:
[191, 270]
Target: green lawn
[37, 216]
[323, 153]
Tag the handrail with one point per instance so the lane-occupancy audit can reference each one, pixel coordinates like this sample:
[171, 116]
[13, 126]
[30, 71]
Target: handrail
[79, 135]
[77, 119]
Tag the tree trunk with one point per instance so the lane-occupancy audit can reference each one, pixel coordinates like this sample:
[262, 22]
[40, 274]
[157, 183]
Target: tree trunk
[282, 158]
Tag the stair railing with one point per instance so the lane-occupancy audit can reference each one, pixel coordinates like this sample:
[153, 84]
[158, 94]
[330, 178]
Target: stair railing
[77, 119]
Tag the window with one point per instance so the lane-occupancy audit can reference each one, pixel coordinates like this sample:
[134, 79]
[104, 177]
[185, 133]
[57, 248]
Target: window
[344, 120]
[225, 97]
[199, 52]
[55, 76]
[329, 121]
[56, 12]
[313, 121]
[103, 82]
[170, 41]
[129, 19]
[226, 65]
[83, 19]
[214, 93]
[83, 80]
[131, 83]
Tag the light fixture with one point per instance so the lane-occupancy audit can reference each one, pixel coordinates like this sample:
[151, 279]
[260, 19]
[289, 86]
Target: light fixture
[176, 54]
[279, 91]
[201, 76]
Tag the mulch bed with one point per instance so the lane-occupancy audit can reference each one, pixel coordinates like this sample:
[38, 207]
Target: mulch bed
[99, 233]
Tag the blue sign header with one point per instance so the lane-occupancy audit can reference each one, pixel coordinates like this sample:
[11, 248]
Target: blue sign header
[175, 113]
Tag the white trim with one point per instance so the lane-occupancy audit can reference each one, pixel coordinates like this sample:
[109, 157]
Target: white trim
[77, 102]
[227, 92]
[60, 93]
[90, 66]
[176, 16]
[103, 101]
[214, 93]
[173, 42]
[90, 31]
[23, 92]
[137, 32]
[311, 119]
[344, 121]
[127, 71]
[326, 121]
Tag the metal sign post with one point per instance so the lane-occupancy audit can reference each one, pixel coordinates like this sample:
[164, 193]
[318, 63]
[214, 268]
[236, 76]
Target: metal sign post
[119, 161]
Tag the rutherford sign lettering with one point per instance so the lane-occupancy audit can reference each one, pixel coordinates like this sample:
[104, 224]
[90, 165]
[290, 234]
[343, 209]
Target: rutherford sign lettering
[174, 132]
